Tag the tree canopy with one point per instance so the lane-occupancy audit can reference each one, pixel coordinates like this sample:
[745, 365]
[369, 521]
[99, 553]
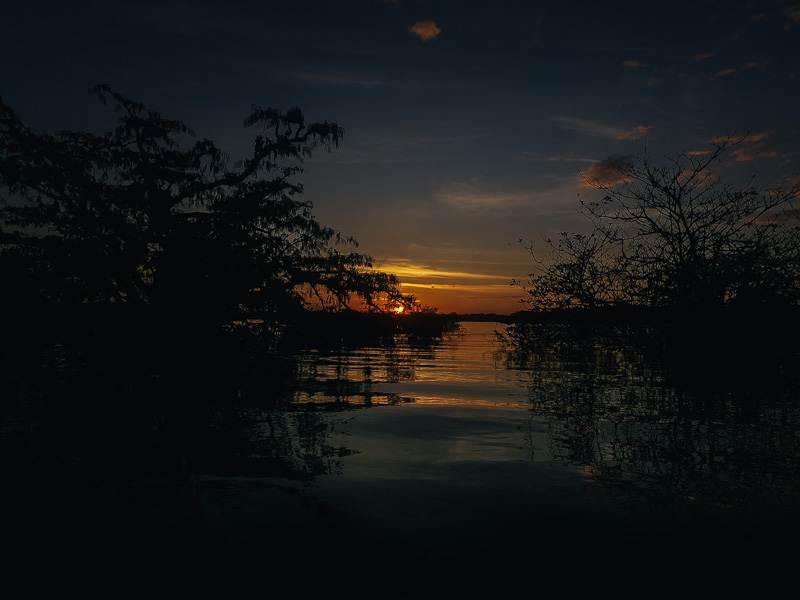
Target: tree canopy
[675, 234]
[147, 215]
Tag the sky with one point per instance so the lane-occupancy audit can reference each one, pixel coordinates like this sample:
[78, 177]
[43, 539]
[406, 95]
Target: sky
[467, 124]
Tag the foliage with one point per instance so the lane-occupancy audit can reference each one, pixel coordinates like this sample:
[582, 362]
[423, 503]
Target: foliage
[675, 235]
[133, 217]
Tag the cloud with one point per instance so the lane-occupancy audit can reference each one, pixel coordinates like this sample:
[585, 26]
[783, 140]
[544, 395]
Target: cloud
[193, 19]
[723, 73]
[753, 153]
[474, 197]
[426, 30]
[407, 269]
[591, 128]
[702, 56]
[759, 137]
[607, 172]
[750, 137]
[338, 79]
[755, 146]
[771, 219]
[634, 64]
[595, 129]
[391, 147]
[529, 156]
[634, 133]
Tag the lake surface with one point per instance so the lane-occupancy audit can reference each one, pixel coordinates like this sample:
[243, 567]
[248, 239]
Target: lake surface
[450, 465]
[445, 468]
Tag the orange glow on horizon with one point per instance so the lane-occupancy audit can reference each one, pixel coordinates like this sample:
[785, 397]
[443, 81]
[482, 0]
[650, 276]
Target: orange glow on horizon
[454, 290]
[418, 271]
[466, 299]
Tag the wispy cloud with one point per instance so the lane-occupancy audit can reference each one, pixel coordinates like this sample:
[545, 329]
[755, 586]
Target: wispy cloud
[339, 79]
[702, 56]
[595, 129]
[755, 146]
[793, 14]
[606, 172]
[541, 157]
[433, 275]
[501, 289]
[458, 255]
[391, 147]
[634, 133]
[475, 197]
[185, 18]
[751, 146]
[425, 30]
[635, 64]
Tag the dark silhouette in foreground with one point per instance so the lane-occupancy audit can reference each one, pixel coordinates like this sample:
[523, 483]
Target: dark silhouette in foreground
[154, 294]
[149, 245]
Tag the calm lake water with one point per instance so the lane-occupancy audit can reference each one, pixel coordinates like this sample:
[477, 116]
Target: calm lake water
[449, 468]
[451, 465]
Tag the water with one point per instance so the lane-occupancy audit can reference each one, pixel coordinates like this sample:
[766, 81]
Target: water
[434, 464]
[446, 468]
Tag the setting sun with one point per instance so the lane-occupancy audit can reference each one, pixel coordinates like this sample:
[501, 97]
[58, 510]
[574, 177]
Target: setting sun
[398, 310]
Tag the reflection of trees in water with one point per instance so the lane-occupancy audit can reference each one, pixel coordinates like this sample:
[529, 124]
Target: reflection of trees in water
[97, 466]
[106, 411]
[272, 443]
[292, 437]
[720, 438]
[347, 371]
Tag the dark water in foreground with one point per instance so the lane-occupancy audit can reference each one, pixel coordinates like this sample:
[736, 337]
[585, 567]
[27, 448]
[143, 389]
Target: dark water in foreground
[420, 470]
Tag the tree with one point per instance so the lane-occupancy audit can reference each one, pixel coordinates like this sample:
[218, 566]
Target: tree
[676, 235]
[132, 218]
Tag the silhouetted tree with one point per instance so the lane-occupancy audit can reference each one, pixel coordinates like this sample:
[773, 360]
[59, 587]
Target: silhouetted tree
[675, 235]
[134, 217]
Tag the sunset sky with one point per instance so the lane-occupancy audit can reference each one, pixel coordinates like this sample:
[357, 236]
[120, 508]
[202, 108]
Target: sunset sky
[467, 124]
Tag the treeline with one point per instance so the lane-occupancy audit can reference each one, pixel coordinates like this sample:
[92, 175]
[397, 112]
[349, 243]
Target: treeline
[678, 250]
